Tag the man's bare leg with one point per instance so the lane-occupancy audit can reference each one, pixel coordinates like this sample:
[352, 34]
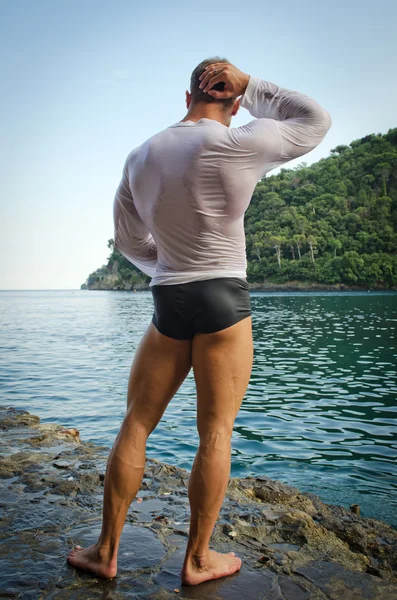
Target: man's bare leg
[159, 368]
[222, 364]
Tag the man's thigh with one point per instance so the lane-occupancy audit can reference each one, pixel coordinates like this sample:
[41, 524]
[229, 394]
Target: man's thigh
[222, 364]
[159, 368]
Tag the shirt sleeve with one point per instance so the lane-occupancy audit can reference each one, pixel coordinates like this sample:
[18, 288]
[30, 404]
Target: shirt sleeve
[132, 238]
[288, 125]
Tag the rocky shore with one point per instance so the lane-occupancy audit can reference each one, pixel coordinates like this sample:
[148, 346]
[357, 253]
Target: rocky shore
[293, 546]
[109, 283]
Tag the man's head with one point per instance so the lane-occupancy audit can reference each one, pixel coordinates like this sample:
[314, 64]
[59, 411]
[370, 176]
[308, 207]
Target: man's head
[197, 98]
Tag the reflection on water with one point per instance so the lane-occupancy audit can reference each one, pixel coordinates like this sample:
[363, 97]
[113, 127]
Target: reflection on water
[320, 408]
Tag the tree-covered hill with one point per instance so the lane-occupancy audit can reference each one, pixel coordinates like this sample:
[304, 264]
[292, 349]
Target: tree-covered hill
[331, 222]
[335, 221]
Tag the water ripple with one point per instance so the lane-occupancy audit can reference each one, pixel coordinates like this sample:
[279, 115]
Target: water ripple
[320, 408]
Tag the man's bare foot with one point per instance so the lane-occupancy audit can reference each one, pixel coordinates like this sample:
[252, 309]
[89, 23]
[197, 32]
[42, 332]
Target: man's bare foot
[212, 566]
[90, 559]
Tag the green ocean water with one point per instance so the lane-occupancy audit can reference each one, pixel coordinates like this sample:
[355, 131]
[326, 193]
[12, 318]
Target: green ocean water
[320, 410]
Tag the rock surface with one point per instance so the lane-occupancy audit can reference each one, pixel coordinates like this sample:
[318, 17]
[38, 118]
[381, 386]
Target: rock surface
[293, 546]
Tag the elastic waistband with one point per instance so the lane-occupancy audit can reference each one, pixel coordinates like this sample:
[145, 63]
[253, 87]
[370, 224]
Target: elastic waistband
[185, 278]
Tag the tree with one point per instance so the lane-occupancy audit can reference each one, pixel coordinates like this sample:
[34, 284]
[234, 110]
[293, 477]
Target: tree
[299, 240]
[259, 243]
[277, 241]
[312, 241]
[335, 245]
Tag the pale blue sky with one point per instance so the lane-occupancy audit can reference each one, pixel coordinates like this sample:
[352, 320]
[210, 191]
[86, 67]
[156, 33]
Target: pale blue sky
[83, 82]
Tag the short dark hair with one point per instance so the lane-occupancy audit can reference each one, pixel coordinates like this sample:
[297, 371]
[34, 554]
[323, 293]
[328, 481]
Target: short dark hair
[199, 95]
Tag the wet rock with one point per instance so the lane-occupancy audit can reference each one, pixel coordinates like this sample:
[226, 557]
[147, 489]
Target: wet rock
[246, 584]
[88, 482]
[139, 547]
[284, 547]
[74, 433]
[291, 590]
[12, 417]
[269, 490]
[65, 488]
[383, 573]
[298, 525]
[63, 464]
[293, 546]
[9, 467]
[362, 534]
[336, 582]
[272, 515]
[266, 489]
[227, 528]
[176, 540]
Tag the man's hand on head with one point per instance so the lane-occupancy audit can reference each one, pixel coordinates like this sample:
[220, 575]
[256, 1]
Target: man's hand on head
[235, 80]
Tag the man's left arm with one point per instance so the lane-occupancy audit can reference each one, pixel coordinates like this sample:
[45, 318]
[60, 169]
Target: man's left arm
[132, 238]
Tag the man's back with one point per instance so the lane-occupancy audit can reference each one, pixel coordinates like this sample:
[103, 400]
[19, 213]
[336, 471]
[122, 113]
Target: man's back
[191, 190]
[184, 192]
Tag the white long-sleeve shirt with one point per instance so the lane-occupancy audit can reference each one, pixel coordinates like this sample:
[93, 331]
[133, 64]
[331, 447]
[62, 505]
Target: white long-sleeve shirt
[179, 209]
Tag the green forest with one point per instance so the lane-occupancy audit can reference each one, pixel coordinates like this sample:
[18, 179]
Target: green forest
[334, 221]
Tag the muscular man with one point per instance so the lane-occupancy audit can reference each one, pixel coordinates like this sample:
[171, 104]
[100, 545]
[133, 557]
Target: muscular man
[179, 217]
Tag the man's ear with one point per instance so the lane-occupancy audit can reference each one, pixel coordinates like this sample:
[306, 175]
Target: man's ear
[236, 107]
[188, 99]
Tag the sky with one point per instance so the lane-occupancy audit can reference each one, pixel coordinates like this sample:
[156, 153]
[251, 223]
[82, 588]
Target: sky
[84, 82]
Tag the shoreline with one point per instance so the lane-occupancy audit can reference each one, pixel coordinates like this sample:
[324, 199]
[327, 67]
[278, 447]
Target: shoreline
[289, 286]
[289, 540]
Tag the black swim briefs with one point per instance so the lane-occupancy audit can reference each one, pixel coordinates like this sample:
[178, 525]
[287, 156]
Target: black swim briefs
[204, 306]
